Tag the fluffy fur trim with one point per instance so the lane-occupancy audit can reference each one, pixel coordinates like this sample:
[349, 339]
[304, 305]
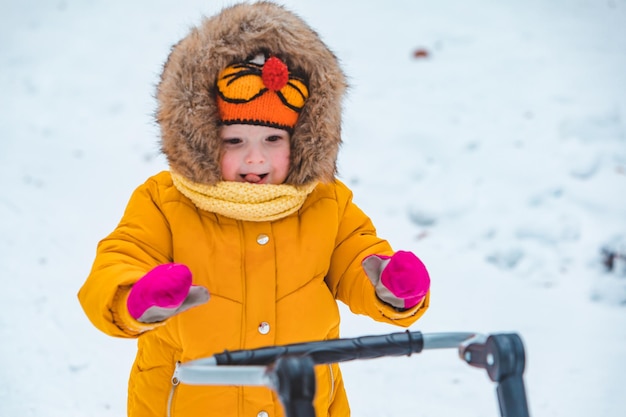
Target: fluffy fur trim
[187, 110]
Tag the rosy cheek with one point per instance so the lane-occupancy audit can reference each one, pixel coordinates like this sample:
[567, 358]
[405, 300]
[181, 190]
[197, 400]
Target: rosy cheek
[284, 166]
[228, 167]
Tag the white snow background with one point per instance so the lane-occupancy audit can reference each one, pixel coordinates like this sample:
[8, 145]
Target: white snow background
[500, 159]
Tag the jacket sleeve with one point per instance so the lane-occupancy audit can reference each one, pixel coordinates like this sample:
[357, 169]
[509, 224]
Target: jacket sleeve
[141, 241]
[356, 239]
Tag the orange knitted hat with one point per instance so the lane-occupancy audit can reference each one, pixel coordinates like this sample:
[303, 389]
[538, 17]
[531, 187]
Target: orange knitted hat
[260, 92]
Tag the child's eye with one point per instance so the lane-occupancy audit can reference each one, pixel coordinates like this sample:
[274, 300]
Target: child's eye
[275, 138]
[232, 141]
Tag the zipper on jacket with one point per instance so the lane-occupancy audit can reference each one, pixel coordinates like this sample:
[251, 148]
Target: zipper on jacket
[175, 382]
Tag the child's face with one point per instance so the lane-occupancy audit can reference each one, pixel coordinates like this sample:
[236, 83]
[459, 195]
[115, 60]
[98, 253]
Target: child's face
[255, 154]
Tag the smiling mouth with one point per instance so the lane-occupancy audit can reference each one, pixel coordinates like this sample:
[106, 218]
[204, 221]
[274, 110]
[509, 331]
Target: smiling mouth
[253, 178]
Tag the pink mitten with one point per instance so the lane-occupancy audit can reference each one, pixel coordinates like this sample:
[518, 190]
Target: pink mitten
[400, 280]
[164, 291]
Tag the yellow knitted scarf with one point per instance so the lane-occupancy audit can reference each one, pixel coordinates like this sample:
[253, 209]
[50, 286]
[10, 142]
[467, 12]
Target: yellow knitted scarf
[244, 201]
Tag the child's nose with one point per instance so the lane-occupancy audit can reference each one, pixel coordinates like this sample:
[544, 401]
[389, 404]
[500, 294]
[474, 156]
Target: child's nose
[255, 155]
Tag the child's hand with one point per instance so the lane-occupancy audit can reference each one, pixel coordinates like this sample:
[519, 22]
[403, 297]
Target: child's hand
[164, 291]
[400, 280]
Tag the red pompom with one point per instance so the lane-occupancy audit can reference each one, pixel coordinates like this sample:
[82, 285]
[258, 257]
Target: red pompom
[275, 74]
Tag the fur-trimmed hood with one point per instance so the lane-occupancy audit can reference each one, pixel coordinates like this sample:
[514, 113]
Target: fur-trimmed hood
[187, 111]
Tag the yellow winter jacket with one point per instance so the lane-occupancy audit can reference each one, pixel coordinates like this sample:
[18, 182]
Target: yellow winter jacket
[270, 283]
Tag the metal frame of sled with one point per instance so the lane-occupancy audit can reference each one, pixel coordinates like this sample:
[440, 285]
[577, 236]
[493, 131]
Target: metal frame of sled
[288, 369]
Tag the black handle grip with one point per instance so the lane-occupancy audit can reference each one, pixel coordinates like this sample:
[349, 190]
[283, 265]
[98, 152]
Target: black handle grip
[330, 351]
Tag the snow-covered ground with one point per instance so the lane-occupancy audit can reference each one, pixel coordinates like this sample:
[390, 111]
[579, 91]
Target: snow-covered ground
[500, 159]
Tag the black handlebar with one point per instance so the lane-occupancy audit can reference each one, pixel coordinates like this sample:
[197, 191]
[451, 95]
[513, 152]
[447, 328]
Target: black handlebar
[330, 351]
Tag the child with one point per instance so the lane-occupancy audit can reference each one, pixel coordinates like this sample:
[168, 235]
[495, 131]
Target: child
[249, 239]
